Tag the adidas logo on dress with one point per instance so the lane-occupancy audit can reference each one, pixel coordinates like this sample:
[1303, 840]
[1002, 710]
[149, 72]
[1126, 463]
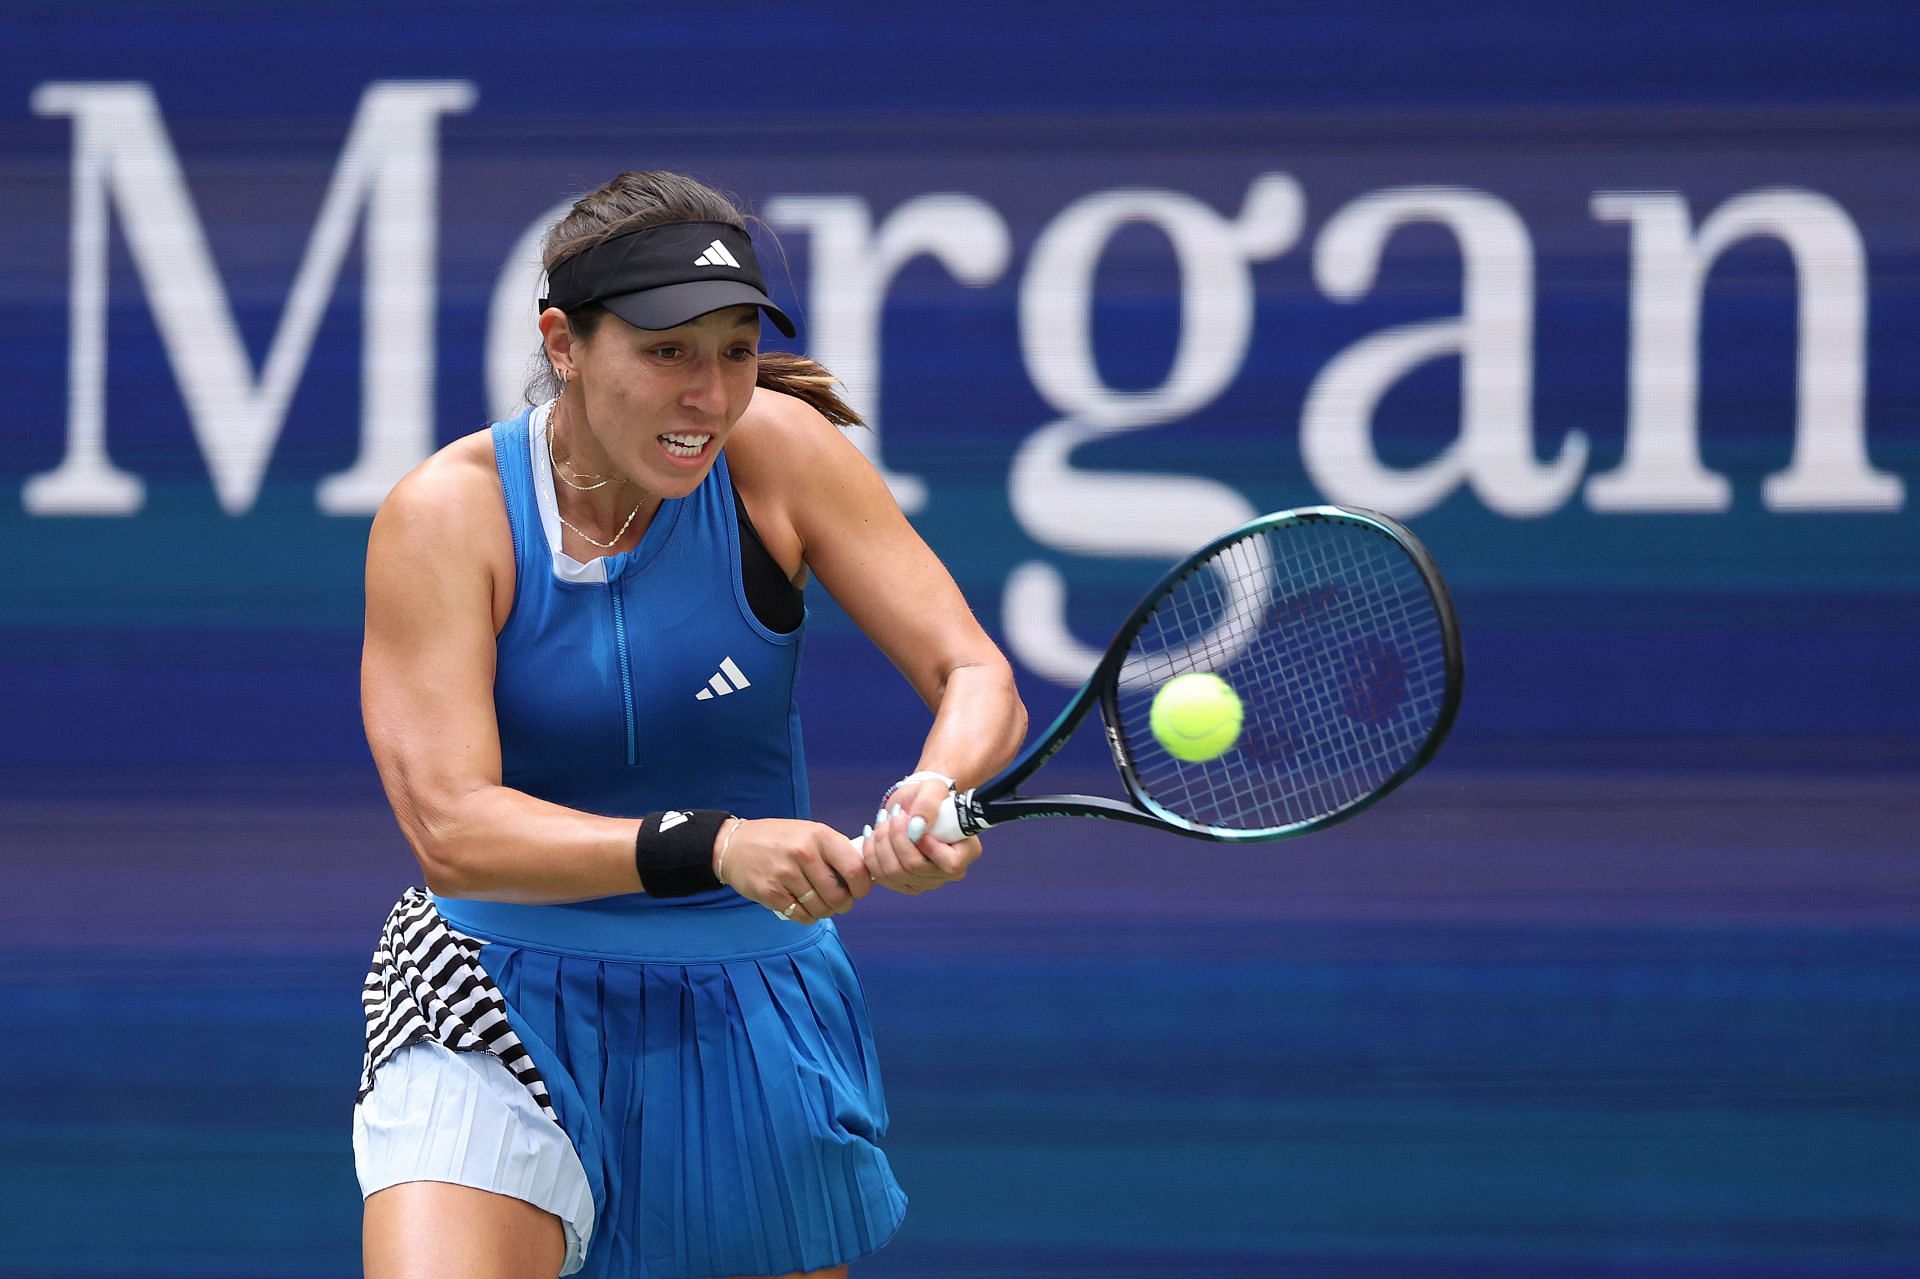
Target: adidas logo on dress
[728, 679]
[716, 255]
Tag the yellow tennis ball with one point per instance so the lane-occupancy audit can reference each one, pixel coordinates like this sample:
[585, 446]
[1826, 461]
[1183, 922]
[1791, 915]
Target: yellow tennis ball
[1196, 716]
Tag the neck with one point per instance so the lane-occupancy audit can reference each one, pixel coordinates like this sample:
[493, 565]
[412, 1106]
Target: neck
[590, 489]
[601, 511]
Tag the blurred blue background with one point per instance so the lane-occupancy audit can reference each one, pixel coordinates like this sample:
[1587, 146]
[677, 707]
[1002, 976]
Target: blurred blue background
[1616, 305]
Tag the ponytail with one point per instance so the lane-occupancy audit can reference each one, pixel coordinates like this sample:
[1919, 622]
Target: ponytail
[805, 379]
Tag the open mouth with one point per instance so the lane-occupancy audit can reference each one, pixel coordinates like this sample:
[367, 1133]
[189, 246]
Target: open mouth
[687, 446]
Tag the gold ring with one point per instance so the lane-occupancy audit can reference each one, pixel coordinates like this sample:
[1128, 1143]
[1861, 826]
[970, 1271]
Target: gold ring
[788, 912]
[803, 896]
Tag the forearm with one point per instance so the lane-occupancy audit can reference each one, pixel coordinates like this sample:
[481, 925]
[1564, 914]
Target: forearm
[499, 844]
[978, 724]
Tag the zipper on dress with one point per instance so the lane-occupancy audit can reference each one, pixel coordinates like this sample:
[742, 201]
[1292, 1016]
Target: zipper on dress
[620, 654]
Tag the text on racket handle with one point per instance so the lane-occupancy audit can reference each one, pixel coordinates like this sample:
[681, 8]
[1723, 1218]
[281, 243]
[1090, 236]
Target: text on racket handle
[947, 825]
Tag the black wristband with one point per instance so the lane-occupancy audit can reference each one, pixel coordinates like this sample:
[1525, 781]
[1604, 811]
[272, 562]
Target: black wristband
[673, 851]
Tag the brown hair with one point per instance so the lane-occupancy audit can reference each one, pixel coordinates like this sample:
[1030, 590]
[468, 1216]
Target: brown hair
[652, 198]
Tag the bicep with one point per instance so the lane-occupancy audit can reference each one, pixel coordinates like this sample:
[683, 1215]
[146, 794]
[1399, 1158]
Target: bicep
[426, 677]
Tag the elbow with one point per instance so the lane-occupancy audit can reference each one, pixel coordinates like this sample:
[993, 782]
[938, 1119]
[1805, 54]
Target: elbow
[1014, 712]
[443, 876]
[1016, 730]
[434, 833]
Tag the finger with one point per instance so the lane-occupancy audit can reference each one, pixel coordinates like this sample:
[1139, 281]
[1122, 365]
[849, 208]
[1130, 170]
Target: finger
[824, 893]
[949, 859]
[888, 872]
[804, 905]
[789, 910]
[905, 851]
[822, 877]
[921, 800]
[952, 860]
[924, 803]
[816, 907]
[845, 861]
[881, 857]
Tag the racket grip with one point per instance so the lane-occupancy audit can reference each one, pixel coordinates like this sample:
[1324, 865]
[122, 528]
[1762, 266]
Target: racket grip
[946, 827]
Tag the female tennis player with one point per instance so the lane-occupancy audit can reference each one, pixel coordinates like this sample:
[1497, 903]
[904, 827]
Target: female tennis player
[618, 1035]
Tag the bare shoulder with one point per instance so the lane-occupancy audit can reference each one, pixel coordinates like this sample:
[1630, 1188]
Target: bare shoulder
[779, 429]
[451, 496]
[447, 514]
[785, 450]
[787, 459]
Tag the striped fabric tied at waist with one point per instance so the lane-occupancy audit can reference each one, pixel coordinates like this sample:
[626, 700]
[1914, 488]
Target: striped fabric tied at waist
[426, 983]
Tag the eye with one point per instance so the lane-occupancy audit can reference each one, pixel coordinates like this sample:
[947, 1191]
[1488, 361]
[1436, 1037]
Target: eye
[667, 351]
[743, 352]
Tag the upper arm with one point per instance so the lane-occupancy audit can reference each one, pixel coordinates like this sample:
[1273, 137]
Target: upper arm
[427, 667]
[855, 540]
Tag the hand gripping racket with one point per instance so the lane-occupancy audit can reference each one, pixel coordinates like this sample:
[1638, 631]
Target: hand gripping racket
[1335, 630]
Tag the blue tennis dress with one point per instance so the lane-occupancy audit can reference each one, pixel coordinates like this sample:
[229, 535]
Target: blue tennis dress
[705, 1064]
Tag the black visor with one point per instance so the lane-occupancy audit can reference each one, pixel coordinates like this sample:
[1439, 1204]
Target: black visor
[660, 277]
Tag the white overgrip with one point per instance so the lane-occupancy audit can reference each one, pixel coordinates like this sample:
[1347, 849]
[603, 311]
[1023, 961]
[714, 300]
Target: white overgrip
[946, 827]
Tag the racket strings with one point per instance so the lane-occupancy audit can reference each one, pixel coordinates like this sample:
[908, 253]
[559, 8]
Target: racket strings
[1329, 634]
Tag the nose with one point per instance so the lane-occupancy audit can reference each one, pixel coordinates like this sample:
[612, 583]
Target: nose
[706, 388]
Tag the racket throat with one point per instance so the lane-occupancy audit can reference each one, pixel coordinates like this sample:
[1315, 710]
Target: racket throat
[961, 817]
[972, 817]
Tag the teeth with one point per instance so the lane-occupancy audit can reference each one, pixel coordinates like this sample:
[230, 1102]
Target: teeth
[687, 444]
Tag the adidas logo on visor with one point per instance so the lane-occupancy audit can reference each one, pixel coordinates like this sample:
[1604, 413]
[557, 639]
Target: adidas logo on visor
[729, 679]
[716, 255]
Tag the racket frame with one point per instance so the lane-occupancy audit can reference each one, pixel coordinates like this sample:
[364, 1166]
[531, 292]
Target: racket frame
[997, 801]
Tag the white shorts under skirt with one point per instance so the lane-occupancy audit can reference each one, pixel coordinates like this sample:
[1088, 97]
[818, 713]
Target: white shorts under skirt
[461, 1117]
[686, 1115]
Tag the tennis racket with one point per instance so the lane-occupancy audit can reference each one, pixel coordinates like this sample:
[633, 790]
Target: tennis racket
[1335, 630]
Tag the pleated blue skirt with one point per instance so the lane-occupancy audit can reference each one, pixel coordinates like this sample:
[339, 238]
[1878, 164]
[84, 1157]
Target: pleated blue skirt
[728, 1111]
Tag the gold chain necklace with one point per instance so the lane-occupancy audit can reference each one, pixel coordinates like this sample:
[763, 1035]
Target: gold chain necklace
[605, 546]
[585, 488]
[563, 472]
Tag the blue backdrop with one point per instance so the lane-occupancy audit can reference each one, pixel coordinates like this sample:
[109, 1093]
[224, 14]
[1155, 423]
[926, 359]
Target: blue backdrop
[1614, 304]
[169, 625]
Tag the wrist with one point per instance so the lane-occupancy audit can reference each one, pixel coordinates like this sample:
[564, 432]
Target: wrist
[673, 851]
[922, 775]
[721, 848]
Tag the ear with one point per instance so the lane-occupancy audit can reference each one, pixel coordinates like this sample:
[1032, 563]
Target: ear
[557, 336]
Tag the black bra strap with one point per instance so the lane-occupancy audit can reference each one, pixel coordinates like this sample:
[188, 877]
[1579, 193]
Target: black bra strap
[778, 604]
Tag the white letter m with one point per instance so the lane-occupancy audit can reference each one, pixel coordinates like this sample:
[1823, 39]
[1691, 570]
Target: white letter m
[389, 166]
